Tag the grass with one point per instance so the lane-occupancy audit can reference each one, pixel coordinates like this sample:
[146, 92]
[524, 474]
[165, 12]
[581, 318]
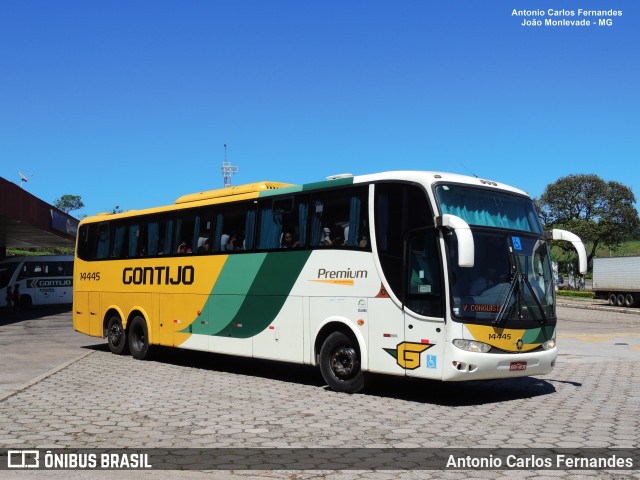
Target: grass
[627, 249]
[574, 294]
[14, 252]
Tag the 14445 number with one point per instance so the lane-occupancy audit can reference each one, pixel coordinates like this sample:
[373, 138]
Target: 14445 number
[95, 276]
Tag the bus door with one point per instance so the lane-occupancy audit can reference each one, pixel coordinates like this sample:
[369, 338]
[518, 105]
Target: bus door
[86, 318]
[422, 352]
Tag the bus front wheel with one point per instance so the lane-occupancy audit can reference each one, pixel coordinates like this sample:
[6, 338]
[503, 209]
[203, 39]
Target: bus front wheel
[116, 336]
[138, 338]
[340, 363]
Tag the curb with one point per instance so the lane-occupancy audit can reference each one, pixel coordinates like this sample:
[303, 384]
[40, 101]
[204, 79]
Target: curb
[604, 308]
[44, 375]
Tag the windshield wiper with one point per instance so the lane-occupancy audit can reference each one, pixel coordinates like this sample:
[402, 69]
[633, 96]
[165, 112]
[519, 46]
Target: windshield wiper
[503, 308]
[517, 280]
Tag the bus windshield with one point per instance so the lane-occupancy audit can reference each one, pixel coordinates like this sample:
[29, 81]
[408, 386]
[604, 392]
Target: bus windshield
[489, 208]
[6, 272]
[511, 280]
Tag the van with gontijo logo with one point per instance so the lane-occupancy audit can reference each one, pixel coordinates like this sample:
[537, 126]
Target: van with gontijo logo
[41, 280]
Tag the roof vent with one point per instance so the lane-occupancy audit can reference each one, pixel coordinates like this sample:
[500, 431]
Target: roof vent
[339, 176]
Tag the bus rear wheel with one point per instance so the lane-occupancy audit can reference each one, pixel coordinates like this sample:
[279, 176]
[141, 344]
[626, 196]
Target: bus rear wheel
[116, 336]
[138, 336]
[340, 363]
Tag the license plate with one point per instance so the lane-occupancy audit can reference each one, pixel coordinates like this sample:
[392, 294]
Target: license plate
[518, 366]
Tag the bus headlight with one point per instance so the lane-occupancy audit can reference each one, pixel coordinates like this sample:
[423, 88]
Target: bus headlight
[471, 345]
[549, 344]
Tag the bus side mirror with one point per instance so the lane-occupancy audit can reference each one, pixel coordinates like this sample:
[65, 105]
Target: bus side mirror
[466, 247]
[558, 234]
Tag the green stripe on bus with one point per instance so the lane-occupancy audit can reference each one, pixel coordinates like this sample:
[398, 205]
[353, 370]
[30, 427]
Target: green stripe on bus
[238, 274]
[307, 186]
[535, 335]
[228, 294]
[327, 183]
[269, 291]
[280, 191]
[249, 293]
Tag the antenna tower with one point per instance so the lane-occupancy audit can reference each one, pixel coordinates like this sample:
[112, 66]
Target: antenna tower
[227, 169]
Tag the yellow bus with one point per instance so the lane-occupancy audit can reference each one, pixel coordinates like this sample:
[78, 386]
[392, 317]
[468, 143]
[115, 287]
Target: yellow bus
[414, 273]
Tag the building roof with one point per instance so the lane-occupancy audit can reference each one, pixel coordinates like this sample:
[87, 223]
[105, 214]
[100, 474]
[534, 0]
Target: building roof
[28, 222]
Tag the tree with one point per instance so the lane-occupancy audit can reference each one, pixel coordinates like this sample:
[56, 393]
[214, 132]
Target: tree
[68, 203]
[599, 212]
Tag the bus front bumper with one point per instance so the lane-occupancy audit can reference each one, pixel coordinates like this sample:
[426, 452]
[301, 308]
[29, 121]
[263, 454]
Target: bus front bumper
[461, 365]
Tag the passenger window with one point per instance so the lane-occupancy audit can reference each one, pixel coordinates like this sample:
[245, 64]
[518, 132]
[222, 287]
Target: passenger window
[283, 223]
[86, 239]
[234, 228]
[340, 219]
[67, 268]
[155, 237]
[118, 241]
[134, 241]
[184, 238]
[25, 271]
[103, 241]
[202, 230]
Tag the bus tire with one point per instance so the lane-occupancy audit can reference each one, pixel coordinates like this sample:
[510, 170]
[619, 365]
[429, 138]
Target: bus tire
[138, 336]
[116, 336]
[340, 363]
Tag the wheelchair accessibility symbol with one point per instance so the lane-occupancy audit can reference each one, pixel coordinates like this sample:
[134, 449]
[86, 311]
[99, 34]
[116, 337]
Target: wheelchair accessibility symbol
[432, 361]
[517, 244]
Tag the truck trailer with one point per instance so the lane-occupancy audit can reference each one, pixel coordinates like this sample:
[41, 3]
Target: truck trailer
[617, 279]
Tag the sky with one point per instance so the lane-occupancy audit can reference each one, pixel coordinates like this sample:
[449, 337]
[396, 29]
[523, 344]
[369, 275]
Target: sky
[130, 103]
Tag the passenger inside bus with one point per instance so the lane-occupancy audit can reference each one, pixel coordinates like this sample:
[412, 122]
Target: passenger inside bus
[233, 243]
[363, 241]
[288, 242]
[326, 238]
[483, 282]
[204, 248]
[183, 248]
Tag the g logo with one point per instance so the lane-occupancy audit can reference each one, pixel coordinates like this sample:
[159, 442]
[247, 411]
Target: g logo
[407, 354]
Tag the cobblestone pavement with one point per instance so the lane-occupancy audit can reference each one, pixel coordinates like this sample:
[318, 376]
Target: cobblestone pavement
[187, 399]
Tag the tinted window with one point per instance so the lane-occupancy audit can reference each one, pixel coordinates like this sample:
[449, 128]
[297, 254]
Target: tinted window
[339, 219]
[399, 208]
[234, 228]
[6, 272]
[283, 223]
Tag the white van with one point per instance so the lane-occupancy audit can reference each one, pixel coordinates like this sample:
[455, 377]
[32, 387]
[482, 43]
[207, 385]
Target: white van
[43, 279]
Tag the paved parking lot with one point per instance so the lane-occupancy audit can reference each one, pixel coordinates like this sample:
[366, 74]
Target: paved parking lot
[62, 389]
